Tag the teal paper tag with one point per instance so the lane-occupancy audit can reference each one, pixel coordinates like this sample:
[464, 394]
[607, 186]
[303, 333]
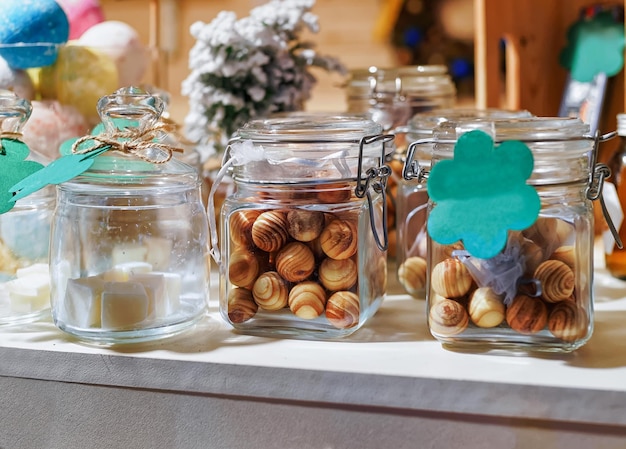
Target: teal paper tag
[60, 170]
[14, 169]
[73, 161]
[594, 46]
[481, 194]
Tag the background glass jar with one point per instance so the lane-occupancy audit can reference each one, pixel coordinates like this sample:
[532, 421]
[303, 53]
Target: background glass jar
[391, 96]
[536, 294]
[303, 236]
[24, 229]
[129, 240]
[412, 196]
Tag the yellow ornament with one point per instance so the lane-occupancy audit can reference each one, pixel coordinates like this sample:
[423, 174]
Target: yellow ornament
[79, 77]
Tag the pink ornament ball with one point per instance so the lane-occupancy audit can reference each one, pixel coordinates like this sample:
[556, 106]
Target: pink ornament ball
[52, 123]
[82, 15]
[16, 80]
[121, 42]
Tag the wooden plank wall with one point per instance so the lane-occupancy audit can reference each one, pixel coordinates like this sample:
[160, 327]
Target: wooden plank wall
[346, 31]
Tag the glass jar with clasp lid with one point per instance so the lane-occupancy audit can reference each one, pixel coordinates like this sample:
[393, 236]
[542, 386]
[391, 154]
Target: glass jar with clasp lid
[391, 96]
[411, 193]
[129, 235]
[510, 233]
[303, 241]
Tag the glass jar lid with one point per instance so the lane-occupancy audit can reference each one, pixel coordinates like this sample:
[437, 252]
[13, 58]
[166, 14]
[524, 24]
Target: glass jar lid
[421, 125]
[561, 147]
[419, 80]
[305, 127]
[297, 147]
[139, 155]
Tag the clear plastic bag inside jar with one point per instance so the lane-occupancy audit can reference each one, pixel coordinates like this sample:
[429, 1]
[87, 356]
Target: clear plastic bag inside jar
[535, 295]
[301, 260]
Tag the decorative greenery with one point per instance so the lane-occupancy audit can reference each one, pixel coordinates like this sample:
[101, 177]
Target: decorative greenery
[250, 67]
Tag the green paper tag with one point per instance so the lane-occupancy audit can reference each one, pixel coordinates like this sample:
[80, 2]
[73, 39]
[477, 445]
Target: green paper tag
[14, 169]
[60, 170]
[482, 193]
[594, 46]
[14, 150]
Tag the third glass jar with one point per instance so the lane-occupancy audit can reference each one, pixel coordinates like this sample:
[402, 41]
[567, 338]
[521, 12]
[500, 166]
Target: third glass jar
[391, 96]
[536, 294]
[411, 195]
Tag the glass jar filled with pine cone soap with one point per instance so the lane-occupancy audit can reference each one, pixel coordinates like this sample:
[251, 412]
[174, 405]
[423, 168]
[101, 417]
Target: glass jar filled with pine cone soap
[534, 294]
[303, 241]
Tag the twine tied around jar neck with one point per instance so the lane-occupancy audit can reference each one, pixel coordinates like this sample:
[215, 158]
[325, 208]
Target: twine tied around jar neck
[131, 141]
[8, 135]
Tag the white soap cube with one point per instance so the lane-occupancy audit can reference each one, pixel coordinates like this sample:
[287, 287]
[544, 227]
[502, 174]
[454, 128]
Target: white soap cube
[154, 283]
[173, 287]
[124, 305]
[30, 293]
[83, 302]
[122, 272]
[36, 268]
[128, 253]
[159, 251]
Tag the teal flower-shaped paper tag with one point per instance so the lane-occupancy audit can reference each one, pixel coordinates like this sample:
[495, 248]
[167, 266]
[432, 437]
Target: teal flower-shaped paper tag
[481, 194]
[594, 46]
[14, 168]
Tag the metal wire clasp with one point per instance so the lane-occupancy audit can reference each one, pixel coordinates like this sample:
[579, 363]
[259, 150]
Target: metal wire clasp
[599, 172]
[411, 169]
[376, 178]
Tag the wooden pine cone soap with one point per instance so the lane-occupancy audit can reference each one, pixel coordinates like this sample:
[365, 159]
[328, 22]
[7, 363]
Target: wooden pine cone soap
[565, 254]
[447, 317]
[337, 274]
[486, 308]
[451, 279]
[339, 239]
[557, 280]
[307, 300]
[270, 291]
[549, 232]
[241, 305]
[240, 226]
[269, 231]
[343, 309]
[568, 321]
[243, 268]
[295, 262]
[412, 274]
[527, 315]
[305, 225]
[334, 193]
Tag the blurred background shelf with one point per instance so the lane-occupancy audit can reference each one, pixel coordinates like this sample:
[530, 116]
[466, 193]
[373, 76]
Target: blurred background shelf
[526, 75]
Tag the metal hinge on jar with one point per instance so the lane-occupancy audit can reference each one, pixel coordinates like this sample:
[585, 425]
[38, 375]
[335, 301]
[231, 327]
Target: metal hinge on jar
[599, 173]
[376, 178]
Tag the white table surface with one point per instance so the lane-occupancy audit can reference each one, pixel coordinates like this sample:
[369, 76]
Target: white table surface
[392, 362]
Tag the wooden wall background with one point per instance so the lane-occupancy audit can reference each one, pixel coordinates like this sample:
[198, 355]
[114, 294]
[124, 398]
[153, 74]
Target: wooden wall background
[535, 31]
[346, 31]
